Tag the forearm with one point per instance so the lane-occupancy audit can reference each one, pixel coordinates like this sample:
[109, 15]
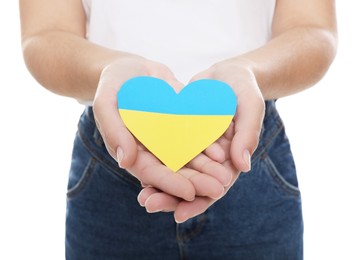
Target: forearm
[65, 63]
[290, 62]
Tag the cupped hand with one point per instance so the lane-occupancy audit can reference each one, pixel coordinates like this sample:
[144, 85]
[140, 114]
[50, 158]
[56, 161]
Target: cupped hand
[239, 142]
[118, 140]
[154, 200]
[250, 112]
[190, 181]
[187, 182]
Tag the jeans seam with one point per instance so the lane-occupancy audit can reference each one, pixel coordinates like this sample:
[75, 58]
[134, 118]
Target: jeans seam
[83, 181]
[280, 180]
[106, 164]
[197, 230]
[261, 150]
[184, 238]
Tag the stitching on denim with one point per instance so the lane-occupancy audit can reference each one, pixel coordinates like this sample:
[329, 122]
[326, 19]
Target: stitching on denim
[280, 180]
[201, 221]
[83, 181]
[182, 238]
[105, 163]
[97, 137]
[269, 138]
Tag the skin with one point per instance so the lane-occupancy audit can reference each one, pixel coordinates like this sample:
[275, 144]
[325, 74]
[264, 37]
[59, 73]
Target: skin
[303, 45]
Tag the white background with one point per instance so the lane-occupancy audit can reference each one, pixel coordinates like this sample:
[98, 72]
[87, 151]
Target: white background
[37, 130]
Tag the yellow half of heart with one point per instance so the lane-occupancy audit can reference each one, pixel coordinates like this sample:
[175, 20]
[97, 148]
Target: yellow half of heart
[175, 139]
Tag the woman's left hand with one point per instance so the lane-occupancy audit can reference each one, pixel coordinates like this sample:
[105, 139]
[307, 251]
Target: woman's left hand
[239, 142]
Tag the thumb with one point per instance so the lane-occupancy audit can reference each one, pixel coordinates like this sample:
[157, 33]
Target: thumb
[248, 123]
[119, 142]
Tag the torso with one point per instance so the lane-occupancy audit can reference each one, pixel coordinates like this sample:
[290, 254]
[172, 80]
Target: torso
[186, 35]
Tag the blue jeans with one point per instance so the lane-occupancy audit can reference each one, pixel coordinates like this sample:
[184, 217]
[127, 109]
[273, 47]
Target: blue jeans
[259, 218]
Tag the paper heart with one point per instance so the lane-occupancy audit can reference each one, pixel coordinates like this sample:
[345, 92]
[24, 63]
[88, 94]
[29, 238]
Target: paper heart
[176, 127]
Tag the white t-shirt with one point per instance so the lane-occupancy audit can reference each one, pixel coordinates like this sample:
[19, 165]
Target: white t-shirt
[186, 35]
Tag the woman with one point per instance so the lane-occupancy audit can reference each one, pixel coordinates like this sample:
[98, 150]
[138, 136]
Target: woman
[264, 49]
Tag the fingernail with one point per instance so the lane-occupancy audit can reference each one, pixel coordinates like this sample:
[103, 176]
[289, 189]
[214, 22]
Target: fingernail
[153, 210]
[180, 221]
[119, 155]
[246, 157]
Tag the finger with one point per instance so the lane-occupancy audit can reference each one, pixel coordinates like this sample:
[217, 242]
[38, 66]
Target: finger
[154, 200]
[161, 71]
[185, 184]
[161, 201]
[118, 140]
[204, 185]
[225, 142]
[229, 133]
[248, 124]
[144, 195]
[203, 164]
[201, 75]
[144, 185]
[219, 151]
[189, 209]
[149, 170]
[215, 152]
[176, 85]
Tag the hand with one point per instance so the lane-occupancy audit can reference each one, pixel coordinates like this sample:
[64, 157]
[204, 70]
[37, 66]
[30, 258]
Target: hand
[118, 140]
[250, 112]
[124, 148]
[238, 143]
[154, 200]
[204, 177]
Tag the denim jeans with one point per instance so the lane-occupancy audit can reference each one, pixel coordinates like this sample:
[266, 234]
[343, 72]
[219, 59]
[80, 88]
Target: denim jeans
[259, 218]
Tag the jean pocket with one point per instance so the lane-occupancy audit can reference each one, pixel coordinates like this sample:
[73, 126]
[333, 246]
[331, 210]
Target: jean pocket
[284, 178]
[74, 188]
[81, 169]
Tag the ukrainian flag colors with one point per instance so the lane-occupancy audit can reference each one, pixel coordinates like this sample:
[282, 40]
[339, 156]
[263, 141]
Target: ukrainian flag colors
[176, 127]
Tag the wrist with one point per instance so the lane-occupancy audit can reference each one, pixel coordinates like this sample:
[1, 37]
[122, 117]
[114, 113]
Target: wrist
[237, 72]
